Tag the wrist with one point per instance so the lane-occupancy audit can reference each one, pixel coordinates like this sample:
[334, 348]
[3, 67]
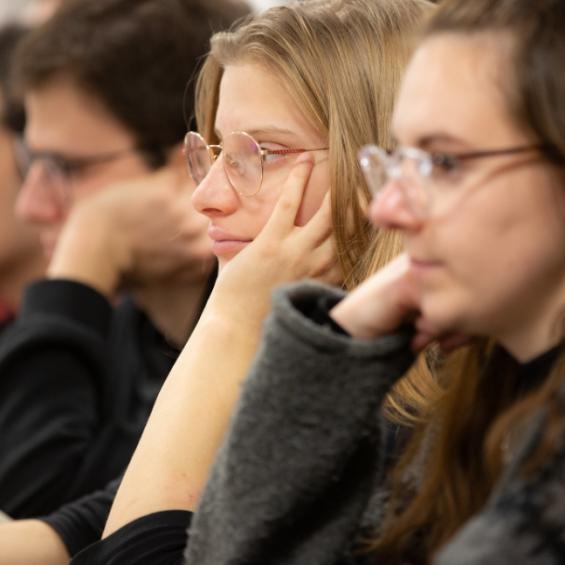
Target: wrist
[94, 257]
[239, 305]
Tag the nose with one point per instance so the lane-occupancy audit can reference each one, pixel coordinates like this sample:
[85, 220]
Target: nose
[391, 209]
[36, 202]
[215, 196]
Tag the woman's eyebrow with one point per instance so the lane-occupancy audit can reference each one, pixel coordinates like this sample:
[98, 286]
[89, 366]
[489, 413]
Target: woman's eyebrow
[269, 130]
[263, 130]
[440, 138]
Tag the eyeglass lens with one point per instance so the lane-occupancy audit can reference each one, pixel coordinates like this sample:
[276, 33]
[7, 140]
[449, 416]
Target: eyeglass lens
[53, 181]
[241, 157]
[379, 168]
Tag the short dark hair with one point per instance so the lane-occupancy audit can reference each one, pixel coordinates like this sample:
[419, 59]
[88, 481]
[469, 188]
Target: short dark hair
[135, 56]
[12, 115]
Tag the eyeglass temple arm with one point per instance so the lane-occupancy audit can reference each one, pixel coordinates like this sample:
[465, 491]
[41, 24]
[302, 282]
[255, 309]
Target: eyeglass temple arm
[497, 152]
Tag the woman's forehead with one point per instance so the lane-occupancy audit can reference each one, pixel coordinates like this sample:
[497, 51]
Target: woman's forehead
[252, 99]
[452, 89]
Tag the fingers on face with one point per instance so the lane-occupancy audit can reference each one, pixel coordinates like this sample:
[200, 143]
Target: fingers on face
[320, 227]
[284, 214]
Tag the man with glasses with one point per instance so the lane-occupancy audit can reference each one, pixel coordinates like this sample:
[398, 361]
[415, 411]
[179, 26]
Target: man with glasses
[107, 187]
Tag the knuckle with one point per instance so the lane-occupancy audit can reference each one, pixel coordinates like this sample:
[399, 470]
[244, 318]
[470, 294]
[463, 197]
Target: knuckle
[286, 204]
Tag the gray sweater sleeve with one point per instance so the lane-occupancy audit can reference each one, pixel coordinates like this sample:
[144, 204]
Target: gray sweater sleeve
[294, 475]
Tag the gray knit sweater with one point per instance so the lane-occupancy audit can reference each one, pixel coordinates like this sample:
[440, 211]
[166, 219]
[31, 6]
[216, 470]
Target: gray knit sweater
[304, 457]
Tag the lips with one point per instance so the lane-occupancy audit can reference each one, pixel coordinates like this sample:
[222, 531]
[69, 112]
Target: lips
[226, 243]
[423, 267]
[424, 262]
[220, 236]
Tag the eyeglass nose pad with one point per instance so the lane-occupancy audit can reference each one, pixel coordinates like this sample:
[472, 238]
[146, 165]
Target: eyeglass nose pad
[215, 152]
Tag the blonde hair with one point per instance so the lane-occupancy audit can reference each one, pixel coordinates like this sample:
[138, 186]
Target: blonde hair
[342, 62]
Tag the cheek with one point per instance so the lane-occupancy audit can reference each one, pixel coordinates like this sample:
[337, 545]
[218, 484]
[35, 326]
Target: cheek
[314, 193]
[254, 212]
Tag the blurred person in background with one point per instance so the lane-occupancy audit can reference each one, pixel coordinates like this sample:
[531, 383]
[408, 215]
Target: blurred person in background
[107, 187]
[21, 258]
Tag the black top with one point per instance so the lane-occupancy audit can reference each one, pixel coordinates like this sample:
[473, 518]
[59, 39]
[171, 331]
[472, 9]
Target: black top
[82, 521]
[78, 378]
[7, 316]
[297, 479]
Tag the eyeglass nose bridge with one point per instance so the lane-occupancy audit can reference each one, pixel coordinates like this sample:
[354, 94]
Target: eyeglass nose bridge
[214, 151]
[52, 179]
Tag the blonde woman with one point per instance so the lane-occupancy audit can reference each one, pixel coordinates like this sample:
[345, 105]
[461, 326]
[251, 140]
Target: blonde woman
[283, 102]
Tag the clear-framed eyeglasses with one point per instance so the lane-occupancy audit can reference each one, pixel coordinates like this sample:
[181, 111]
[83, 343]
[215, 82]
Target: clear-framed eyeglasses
[423, 176]
[242, 158]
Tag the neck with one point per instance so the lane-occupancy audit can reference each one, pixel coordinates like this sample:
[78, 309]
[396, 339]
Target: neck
[172, 307]
[14, 277]
[538, 332]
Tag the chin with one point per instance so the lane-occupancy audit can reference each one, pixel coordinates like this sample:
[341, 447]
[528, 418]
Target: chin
[445, 315]
[224, 260]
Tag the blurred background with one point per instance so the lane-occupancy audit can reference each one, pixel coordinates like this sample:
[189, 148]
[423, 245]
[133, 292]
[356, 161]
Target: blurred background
[35, 10]
[25, 10]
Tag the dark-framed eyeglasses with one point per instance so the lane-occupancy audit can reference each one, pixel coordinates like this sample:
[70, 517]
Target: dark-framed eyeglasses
[243, 159]
[56, 172]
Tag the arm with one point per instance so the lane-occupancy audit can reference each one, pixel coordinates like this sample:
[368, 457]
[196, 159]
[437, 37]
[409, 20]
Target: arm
[55, 384]
[81, 522]
[192, 412]
[135, 234]
[299, 463]
[30, 541]
[51, 367]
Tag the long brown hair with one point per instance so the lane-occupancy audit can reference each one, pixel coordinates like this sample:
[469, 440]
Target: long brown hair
[342, 62]
[474, 420]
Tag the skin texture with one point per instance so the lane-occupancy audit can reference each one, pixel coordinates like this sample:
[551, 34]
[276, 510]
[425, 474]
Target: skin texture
[17, 549]
[64, 120]
[125, 226]
[252, 100]
[289, 228]
[489, 258]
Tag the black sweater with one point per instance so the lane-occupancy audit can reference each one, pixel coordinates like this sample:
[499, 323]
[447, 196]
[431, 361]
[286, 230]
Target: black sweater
[77, 381]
